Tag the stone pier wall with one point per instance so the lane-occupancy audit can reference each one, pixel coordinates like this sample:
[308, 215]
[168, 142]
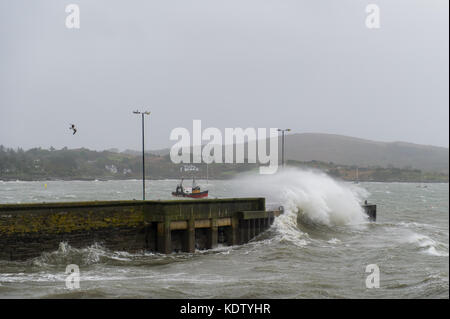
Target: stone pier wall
[27, 230]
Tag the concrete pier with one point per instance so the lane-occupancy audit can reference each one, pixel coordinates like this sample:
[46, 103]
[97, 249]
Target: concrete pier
[27, 230]
[371, 211]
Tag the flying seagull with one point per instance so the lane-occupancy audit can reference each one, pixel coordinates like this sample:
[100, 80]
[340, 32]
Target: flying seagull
[72, 127]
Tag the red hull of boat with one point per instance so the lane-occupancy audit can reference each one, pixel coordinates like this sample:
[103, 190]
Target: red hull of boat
[191, 195]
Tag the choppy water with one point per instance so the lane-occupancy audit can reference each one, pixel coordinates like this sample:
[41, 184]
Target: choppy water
[319, 252]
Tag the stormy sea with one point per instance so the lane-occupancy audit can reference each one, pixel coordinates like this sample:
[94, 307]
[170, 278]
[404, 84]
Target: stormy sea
[319, 248]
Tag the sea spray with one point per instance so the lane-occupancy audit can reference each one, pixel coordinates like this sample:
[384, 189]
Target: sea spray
[309, 195]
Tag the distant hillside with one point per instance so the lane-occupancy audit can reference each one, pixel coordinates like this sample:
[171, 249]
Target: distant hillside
[84, 164]
[351, 151]
[346, 150]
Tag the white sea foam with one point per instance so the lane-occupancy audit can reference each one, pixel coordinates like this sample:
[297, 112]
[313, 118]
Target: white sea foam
[311, 194]
[307, 195]
[334, 241]
[430, 246]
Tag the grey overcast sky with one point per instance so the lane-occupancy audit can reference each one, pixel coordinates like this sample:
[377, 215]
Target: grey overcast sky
[309, 65]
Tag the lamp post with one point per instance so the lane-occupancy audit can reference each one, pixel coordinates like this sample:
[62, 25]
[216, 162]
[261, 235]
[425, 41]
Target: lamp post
[282, 145]
[207, 172]
[143, 152]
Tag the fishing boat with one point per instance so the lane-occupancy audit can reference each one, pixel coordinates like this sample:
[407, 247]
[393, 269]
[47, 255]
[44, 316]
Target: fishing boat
[192, 192]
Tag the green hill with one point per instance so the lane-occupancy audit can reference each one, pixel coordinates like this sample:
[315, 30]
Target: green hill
[84, 164]
[346, 150]
[351, 151]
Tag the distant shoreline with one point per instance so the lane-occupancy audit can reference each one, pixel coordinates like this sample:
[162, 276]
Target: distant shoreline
[198, 179]
[86, 165]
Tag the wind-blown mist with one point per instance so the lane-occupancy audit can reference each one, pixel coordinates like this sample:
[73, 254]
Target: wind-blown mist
[310, 195]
